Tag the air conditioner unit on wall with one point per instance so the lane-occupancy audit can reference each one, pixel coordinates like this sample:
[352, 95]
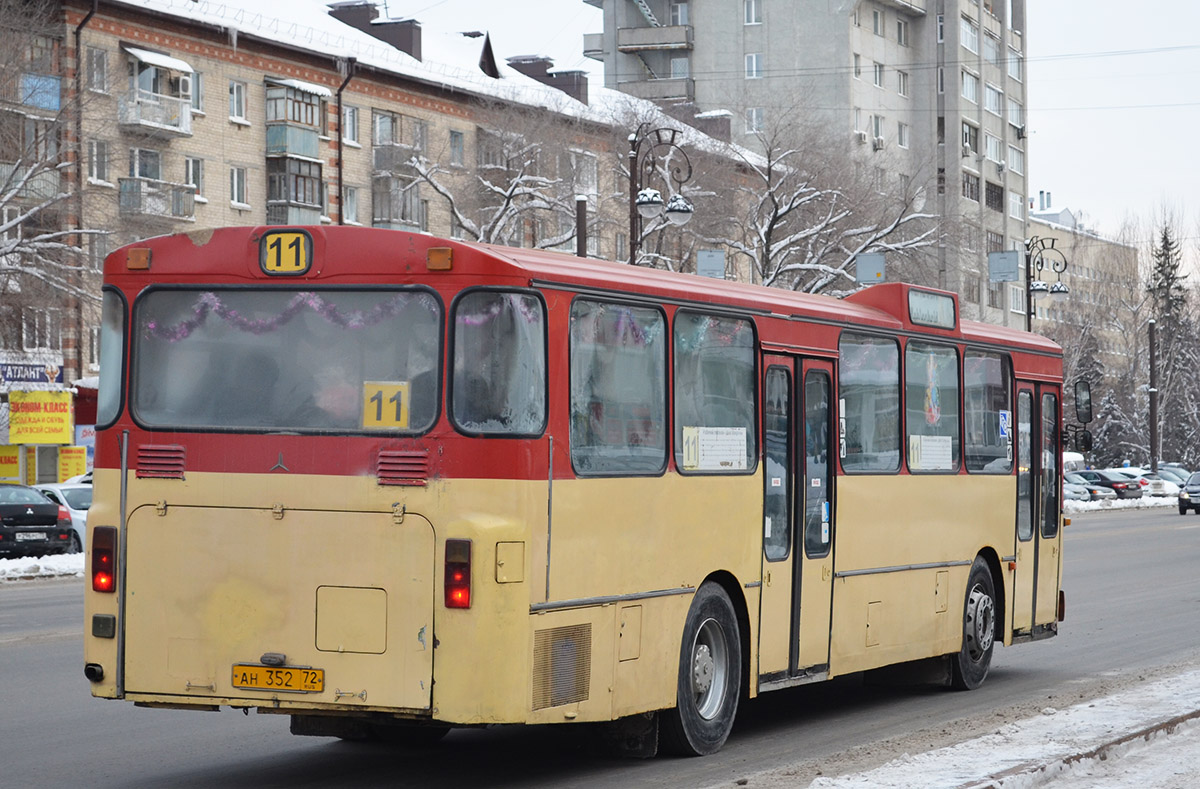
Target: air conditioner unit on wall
[877, 144]
[861, 136]
[966, 151]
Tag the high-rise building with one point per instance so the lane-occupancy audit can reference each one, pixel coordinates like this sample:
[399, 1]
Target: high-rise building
[931, 91]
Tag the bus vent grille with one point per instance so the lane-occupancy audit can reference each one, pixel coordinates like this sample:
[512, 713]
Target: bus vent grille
[399, 467]
[160, 460]
[562, 665]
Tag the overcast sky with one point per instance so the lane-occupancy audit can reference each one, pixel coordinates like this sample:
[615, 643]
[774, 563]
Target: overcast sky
[1114, 102]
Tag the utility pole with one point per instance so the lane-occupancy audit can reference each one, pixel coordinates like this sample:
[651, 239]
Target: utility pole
[1153, 400]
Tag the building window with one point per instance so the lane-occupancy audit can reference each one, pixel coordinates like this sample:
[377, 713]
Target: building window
[457, 147]
[237, 100]
[350, 124]
[991, 49]
[40, 329]
[753, 12]
[877, 126]
[679, 14]
[970, 137]
[941, 80]
[1016, 205]
[877, 22]
[970, 238]
[420, 134]
[1016, 299]
[145, 163]
[996, 295]
[879, 75]
[1016, 113]
[679, 68]
[941, 28]
[970, 87]
[94, 348]
[754, 66]
[994, 196]
[294, 181]
[857, 66]
[97, 70]
[902, 32]
[197, 92]
[237, 186]
[993, 100]
[970, 186]
[294, 106]
[755, 120]
[993, 147]
[902, 135]
[970, 35]
[193, 173]
[902, 83]
[1016, 159]
[97, 251]
[1014, 64]
[350, 206]
[386, 129]
[971, 288]
[98, 161]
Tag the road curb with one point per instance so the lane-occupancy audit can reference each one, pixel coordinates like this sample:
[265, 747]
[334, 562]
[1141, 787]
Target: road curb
[1028, 774]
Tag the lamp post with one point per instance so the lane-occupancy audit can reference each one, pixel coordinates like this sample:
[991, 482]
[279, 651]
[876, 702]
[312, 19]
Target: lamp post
[647, 148]
[1039, 255]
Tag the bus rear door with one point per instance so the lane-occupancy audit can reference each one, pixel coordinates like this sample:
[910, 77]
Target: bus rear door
[1038, 539]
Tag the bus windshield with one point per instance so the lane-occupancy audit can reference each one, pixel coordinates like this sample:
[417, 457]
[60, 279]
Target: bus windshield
[286, 359]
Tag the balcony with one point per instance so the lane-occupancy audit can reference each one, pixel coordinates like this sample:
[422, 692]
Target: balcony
[661, 89]
[41, 91]
[914, 7]
[392, 157]
[641, 39]
[593, 46]
[291, 214]
[285, 139]
[147, 197]
[154, 112]
[43, 185]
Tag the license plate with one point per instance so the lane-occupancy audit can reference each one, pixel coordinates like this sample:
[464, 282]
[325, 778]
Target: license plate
[282, 678]
[30, 535]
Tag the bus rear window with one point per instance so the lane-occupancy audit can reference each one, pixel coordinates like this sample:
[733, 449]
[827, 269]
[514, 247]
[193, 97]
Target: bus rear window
[499, 385]
[287, 360]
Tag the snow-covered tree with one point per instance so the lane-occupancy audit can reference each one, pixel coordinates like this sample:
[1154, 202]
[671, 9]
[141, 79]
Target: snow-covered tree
[805, 207]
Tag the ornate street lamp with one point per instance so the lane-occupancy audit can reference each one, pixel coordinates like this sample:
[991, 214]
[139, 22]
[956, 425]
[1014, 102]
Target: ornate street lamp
[1039, 255]
[648, 148]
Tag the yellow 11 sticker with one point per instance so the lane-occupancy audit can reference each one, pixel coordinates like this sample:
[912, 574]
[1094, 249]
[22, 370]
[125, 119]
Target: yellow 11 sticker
[385, 404]
[286, 252]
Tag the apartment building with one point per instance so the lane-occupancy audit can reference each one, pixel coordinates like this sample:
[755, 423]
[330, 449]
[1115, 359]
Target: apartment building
[933, 92]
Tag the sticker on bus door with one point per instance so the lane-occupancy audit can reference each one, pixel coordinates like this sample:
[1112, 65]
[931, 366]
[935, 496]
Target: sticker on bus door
[714, 448]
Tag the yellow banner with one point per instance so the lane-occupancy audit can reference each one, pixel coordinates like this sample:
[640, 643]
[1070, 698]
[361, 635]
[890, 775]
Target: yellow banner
[40, 418]
[10, 462]
[72, 461]
[30, 465]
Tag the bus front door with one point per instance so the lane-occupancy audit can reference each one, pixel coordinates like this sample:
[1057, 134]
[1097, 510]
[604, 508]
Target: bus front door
[797, 575]
[1038, 540]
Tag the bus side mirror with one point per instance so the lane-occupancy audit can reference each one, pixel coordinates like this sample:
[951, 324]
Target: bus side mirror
[1083, 441]
[1083, 403]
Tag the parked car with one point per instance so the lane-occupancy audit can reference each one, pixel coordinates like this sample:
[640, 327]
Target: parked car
[1189, 495]
[1075, 492]
[1097, 491]
[31, 524]
[1123, 486]
[77, 498]
[1152, 484]
[85, 479]
[1176, 475]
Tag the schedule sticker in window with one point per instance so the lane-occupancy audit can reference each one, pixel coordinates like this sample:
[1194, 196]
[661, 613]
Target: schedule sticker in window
[714, 448]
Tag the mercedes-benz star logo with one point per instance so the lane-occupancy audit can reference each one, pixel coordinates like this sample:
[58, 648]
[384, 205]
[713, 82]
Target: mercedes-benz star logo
[279, 464]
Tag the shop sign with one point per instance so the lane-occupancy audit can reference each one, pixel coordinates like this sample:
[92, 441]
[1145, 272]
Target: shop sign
[40, 418]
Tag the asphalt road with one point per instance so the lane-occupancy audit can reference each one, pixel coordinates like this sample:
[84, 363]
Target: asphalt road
[1133, 608]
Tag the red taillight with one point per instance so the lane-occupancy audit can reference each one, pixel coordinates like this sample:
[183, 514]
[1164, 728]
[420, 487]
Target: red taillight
[104, 548]
[458, 573]
[1120, 485]
[64, 514]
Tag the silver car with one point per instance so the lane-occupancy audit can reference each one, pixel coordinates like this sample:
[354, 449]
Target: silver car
[1097, 492]
[77, 498]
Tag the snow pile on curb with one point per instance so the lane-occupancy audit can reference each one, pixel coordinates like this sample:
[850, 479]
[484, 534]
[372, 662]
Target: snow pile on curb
[41, 567]
[1059, 745]
[1145, 502]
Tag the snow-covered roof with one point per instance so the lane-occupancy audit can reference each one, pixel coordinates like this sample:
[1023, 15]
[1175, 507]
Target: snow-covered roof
[451, 59]
[306, 87]
[162, 61]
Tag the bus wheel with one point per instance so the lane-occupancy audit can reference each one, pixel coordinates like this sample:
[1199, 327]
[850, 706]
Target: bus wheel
[971, 663]
[710, 676]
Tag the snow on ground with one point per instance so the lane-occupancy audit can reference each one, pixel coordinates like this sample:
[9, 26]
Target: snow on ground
[1146, 737]
[28, 568]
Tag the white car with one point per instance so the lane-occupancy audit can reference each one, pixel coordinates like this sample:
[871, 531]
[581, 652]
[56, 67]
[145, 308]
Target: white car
[77, 498]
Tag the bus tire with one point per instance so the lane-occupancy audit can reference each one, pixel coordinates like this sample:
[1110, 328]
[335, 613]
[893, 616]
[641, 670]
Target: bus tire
[970, 665]
[710, 676]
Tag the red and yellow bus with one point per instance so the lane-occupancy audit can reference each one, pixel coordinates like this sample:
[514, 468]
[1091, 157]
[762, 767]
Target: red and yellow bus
[386, 483]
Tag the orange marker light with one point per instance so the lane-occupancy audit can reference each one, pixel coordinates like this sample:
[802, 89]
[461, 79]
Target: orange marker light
[439, 259]
[137, 259]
